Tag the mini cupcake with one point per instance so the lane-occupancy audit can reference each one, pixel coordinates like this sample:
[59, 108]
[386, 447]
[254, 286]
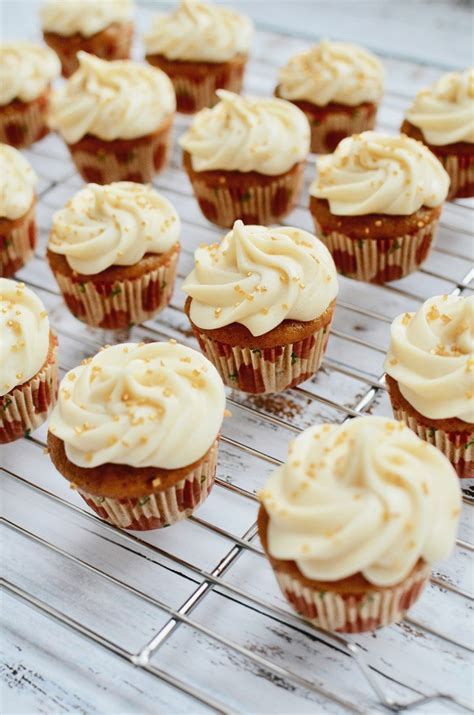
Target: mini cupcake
[353, 521]
[26, 73]
[17, 210]
[28, 367]
[245, 158]
[202, 47]
[338, 86]
[128, 432]
[116, 119]
[376, 204]
[113, 251]
[261, 304]
[101, 27]
[442, 117]
[430, 370]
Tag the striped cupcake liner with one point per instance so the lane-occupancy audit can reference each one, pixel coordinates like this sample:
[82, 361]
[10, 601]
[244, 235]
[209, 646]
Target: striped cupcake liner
[163, 508]
[23, 124]
[17, 242]
[27, 406]
[347, 613]
[330, 129]
[264, 204]
[461, 174]
[378, 260]
[259, 371]
[458, 447]
[120, 304]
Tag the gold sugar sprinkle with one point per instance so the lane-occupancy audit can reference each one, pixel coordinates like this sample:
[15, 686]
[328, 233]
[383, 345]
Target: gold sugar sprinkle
[406, 318]
[227, 413]
[156, 482]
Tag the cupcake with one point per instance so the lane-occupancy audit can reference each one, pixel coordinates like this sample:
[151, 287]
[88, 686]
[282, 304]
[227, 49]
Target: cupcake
[442, 117]
[116, 119]
[338, 86]
[430, 371]
[28, 367]
[261, 303]
[245, 158]
[202, 47]
[128, 432]
[17, 210]
[353, 521]
[376, 204]
[113, 251]
[26, 73]
[101, 27]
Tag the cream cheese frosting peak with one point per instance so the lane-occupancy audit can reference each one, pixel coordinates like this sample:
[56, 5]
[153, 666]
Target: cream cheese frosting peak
[378, 173]
[120, 99]
[24, 334]
[83, 17]
[259, 276]
[201, 32]
[333, 72]
[17, 183]
[445, 112]
[267, 135]
[431, 356]
[365, 497]
[26, 71]
[113, 225]
[142, 405]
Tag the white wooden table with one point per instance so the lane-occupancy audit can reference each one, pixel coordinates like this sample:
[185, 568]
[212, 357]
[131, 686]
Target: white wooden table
[85, 599]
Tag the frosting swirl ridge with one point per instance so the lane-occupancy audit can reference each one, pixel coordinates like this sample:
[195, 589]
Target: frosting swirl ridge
[115, 224]
[17, 183]
[365, 497]
[245, 134]
[83, 17]
[377, 173]
[26, 70]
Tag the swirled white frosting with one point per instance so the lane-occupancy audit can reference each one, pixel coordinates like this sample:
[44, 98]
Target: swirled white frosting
[377, 173]
[144, 405]
[431, 356]
[333, 72]
[24, 334]
[83, 17]
[365, 497]
[260, 276]
[17, 183]
[26, 71]
[242, 134]
[201, 32]
[445, 112]
[113, 225]
[111, 100]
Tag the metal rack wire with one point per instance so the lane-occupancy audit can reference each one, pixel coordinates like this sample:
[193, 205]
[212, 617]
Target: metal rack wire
[211, 580]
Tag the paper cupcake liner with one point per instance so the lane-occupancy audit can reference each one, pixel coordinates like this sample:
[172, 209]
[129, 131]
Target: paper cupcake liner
[264, 204]
[161, 509]
[264, 370]
[27, 406]
[23, 123]
[378, 260]
[461, 174]
[139, 163]
[123, 303]
[345, 613]
[458, 447]
[332, 127]
[17, 242]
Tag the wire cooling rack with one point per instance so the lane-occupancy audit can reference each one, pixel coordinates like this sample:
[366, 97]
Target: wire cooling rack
[190, 618]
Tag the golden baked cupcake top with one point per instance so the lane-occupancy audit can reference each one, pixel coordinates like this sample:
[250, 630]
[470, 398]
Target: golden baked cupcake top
[378, 173]
[332, 72]
[17, 183]
[119, 99]
[444, 112]
[142, 405]
[113, 225]
[26, 71]
[24, 334]
[259, 276]
[365, 497]
[83, 17]
[200, 32]
[431, 356]
[266, 135]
